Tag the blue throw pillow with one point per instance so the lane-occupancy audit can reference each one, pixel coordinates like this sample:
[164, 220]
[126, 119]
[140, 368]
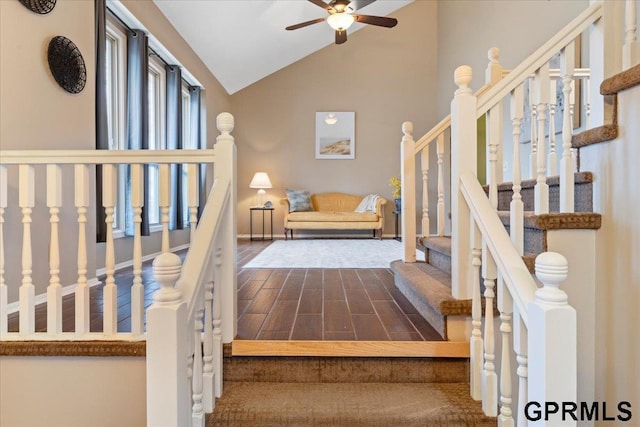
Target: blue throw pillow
[299, 200]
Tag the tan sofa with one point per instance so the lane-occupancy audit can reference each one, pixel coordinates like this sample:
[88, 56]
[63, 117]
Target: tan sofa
[334, 211]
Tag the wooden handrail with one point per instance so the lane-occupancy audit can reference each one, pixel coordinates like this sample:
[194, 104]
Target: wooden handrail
[98, 157]
[538, 58]
[516, 276]
[443, 125]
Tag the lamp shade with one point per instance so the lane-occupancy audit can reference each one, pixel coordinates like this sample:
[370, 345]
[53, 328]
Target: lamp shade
[260, 180]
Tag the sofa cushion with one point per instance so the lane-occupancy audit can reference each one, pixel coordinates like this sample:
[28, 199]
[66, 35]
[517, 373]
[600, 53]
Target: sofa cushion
[299, 200]
[325, 216]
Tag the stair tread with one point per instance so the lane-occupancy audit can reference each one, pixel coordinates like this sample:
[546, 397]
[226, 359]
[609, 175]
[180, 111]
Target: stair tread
[557, 220]
[441, 244]
[434, 285]
[352, 404]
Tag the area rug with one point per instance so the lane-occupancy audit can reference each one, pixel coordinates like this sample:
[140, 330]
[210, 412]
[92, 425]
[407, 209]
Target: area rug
[329, 253]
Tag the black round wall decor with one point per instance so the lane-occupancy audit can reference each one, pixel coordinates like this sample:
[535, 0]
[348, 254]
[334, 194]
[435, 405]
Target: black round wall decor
[66, 64]
[39, 6]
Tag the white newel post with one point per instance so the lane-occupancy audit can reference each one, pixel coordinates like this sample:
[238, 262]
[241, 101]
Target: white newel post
[167, 381]
[630, 48]
[225, 165]
[552, 340]
[54, 290]
[407, 178]
[464, 158]
[4, 327]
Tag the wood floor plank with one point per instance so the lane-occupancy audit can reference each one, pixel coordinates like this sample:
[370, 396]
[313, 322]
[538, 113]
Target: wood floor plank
[369, 328]
[307, 327]
[313, 279]
[291, 290]
[276, 279]
[350, 279]
[281, 316]
[334, 291]
[392, 317]
[402, 301]
[250, 289]
[339, 336]
[337, 317]
[359, 302]
[310, 301]
[424, 328]
[263, 301]
[376, 291]
[249, 325]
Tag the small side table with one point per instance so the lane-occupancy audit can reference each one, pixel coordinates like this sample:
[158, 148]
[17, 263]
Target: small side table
[397, 237]
[263, 210]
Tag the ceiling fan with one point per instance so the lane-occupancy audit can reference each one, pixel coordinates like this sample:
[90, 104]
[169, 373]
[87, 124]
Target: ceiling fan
[341, 17]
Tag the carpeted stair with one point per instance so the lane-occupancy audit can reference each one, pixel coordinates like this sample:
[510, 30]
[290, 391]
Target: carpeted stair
[349, 392]
[428, 285]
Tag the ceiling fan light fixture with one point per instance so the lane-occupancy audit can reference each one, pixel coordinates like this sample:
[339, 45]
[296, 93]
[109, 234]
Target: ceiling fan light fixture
[340, 21]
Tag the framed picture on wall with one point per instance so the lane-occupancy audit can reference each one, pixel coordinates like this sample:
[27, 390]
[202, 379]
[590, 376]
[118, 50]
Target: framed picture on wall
[335, 135]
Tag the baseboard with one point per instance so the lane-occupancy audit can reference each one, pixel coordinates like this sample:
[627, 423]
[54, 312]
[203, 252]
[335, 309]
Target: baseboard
[14, 307]
[121, 266]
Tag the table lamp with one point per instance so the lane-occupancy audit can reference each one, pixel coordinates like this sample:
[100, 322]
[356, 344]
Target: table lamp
[261, 181]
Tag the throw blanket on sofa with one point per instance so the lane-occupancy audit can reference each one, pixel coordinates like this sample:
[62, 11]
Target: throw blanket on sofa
[368, 204]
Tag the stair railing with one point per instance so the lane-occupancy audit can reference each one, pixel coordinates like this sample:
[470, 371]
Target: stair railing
[194, 312]
[538, 321]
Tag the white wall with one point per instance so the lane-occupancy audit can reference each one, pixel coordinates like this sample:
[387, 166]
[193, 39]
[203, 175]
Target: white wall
[616, 195]
[72, 391]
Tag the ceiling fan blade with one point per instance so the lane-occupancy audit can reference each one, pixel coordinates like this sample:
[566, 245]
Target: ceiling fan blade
[359, 4]
[341, 36]
[321, 4]
[304, 24]
[380, 21]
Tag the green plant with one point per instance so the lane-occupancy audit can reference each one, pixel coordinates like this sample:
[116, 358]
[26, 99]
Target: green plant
[395, 182]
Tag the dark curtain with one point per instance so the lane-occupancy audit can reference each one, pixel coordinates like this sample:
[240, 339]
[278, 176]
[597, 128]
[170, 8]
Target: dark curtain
[102, 126]
[174, 142]
[198, 143]
[137, 118]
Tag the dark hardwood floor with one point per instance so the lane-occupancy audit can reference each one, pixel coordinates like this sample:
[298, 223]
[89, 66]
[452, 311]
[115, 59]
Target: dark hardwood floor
[285, 304]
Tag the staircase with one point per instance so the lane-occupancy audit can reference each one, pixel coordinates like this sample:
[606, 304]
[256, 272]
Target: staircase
[346, 391]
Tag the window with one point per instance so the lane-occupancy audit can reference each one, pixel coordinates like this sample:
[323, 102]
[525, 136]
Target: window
[116, 45]
[157, 106]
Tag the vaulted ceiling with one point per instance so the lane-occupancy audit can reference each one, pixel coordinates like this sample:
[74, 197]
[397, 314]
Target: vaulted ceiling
[243, 41]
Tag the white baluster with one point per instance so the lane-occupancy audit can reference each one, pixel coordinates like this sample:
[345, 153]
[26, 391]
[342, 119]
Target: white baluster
[193, 194]
[489, 377]
[217, 323]
[533, 159]
[3, 286]
[197, 409]
[407, 177]
[516, 207]
[475, 342]
[520, 348]
[553, 161]
[541, 190]
[110, 290]
[494, 132]
[425, 191]
[505, 306]
[587, 103]
[567, 64]
[54, 290]
[552, 341]
[137, 289]
[207, 348]
[27, 290]
[630, 47]
[167, 384]
[441, 218]
[493, 75]
[164, 193]
[81, 176]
